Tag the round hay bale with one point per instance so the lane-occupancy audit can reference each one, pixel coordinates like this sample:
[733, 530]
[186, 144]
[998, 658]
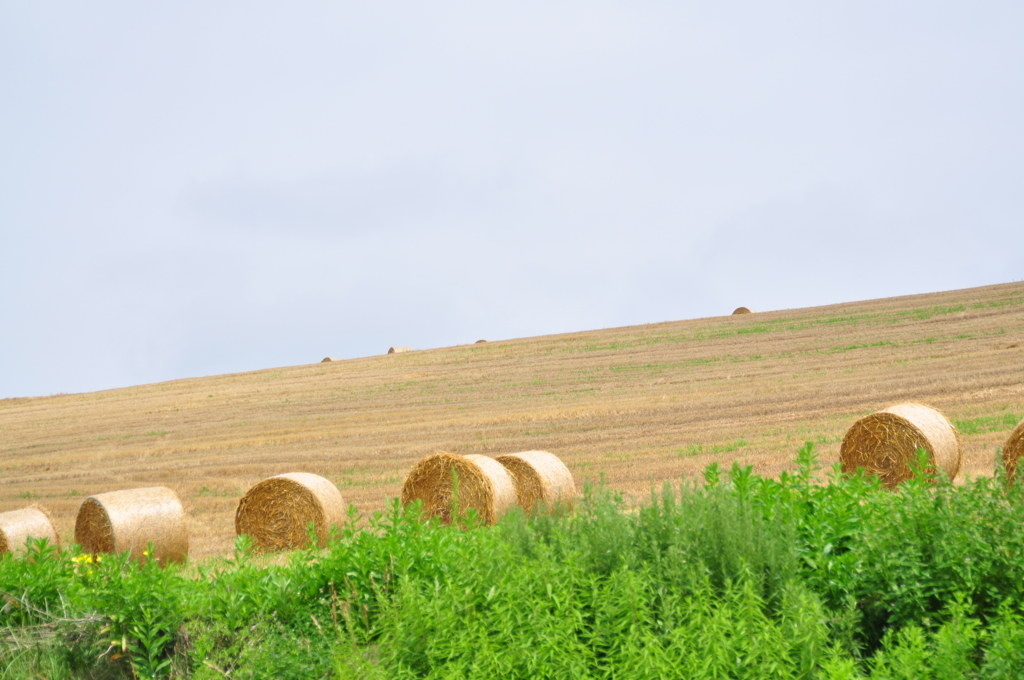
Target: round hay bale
[328, 360]
[398, 350]
[886, 443]
[1012, 451]
[483, 485]
[742, 310]
[129, 520]
[479, 341]
[540, 478]
[17, 526]
[276, 512]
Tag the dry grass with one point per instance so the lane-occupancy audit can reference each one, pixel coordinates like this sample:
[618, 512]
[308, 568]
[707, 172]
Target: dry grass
[474, 482]
[277, 512]
[886, 443]
[1013, 449]
[130, 520]
[639, 405]
[17, 526]
[540, 478]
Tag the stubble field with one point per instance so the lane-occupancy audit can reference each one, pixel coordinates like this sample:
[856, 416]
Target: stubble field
[635, 405]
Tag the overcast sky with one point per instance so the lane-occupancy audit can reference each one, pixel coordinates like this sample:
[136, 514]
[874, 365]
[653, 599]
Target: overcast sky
[213, 187]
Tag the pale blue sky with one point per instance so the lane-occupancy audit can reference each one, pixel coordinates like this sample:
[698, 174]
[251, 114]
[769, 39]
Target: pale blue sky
[215, 187]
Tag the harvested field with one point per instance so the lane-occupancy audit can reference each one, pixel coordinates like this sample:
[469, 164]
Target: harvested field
[638, 404]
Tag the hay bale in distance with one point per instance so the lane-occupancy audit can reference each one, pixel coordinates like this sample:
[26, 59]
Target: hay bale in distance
[479, 342]
[1012, 451]
[276, 512]
[328, 360]
[129, 520]
[540, 479]
[886, 443]
[483, 485]
[742, 310]
[17, 526]
[398, 350]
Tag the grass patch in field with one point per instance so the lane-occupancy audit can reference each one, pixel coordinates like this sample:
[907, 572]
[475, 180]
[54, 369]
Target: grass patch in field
[155, 433]
[698, 449]
[866, 345]
[629, 344]
[924, 314]
[998, 303]
[205, 492]
[982, 424]
[659, 368]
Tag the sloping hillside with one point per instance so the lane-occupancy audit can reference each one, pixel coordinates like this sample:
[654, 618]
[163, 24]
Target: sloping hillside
[637, 405]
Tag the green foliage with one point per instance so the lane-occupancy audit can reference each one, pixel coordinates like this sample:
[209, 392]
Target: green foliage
[812, 575]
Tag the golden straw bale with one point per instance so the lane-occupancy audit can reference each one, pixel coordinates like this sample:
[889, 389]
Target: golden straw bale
[483, 485]
[398, 350]
[886, 443]
[742, 310]
[540, 478]
[1012, 451]
[479, 342]
[276, 512]
[17, 526]
[328, 360]
[129, 520]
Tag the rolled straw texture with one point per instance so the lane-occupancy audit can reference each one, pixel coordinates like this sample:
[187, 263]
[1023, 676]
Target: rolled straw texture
[742, 310]
[17, 526]
[1012, 451]
[483, 485]
[398, 350]
[276, 513]
[886, 443]
[129, 520]
[541, 480]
